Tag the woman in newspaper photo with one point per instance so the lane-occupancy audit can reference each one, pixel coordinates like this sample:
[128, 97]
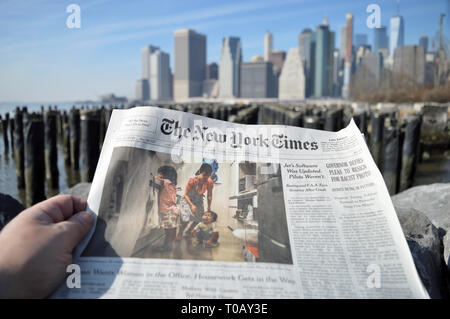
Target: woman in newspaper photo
[168, 210]
[194, 193]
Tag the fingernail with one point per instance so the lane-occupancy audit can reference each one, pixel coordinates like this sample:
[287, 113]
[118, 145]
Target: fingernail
[85, 217]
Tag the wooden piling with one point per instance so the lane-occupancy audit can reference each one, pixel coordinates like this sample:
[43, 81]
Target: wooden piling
[51, 151]
[410, 151]
[11, 133]
[391, 158]
[361, 121]
[376, 137]
[90, 141]
[74, 123]
[5, 122]
[332, 119]
[66, 139]
[19, 148]
[34, 159]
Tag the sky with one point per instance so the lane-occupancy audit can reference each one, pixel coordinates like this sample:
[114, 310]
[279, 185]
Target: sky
[42, 60]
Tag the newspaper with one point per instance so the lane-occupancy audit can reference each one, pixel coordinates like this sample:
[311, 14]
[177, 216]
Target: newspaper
[296, 213]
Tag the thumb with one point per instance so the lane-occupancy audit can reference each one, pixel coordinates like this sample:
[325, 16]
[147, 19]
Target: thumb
[76, 228]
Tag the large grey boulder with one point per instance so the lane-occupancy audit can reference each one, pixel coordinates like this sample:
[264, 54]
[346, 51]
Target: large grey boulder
[434, 202]
[423, 213]
[426, 249]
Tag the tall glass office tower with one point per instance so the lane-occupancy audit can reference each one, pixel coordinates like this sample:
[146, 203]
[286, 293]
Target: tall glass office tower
[380, 39]
[397, 33]
[230, 67]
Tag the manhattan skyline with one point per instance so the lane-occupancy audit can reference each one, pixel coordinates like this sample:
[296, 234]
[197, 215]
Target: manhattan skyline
[41, 60]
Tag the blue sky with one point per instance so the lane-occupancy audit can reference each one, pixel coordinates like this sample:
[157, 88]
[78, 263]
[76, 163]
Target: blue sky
[41, 60]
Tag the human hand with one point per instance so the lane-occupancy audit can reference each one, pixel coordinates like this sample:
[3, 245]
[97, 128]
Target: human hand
[194, 209]
[36, 246]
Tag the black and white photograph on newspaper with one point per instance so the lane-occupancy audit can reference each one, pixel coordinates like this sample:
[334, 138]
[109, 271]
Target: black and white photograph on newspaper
[154, 207]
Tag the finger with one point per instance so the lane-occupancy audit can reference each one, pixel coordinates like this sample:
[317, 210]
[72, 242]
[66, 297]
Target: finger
[60, 207]
[76, 228]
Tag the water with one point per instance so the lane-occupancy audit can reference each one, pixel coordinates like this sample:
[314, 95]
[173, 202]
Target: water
[8, 177]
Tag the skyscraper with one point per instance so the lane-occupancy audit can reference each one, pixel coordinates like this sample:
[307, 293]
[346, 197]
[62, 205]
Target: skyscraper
[190, 64]
[230, 67]
[360, 39]
[307, 45]
[277, 58]
[257, 80]
[323, 61]
[348, 56]
[380, 39]
[292, 77]
[343, 42]
[349, 38]
[372, 64]
[397, 36]
[336, 91]
[146, 51]
[423, 42]
[268, 45]
[160, 76]
[307, 49]
[142, 90]
[146, 70]
[409, 63]
[212, 71]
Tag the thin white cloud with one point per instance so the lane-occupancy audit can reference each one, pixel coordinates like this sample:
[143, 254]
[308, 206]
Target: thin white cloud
[192, 16]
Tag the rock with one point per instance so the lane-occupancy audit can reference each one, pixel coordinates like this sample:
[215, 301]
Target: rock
[426, 249]
[433, 201]
[9, 208]
[79, 190]
[423, 214]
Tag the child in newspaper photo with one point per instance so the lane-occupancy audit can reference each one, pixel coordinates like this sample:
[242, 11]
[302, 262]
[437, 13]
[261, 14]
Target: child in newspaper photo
[195, 190]
[168, 210]
[206, 231]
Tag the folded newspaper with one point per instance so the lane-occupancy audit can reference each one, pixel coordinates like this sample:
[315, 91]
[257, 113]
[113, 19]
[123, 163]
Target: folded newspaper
[191, 207]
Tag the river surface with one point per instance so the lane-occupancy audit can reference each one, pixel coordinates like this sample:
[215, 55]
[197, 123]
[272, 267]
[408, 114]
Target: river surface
[8, 177]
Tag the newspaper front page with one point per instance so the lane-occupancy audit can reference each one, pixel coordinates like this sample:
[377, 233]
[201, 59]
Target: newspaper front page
[192, 207]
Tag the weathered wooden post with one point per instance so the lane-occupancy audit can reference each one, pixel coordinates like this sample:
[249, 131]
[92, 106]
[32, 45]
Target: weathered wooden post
[361, 121]
[66, 139]
[74, 123]
[5, 123]
[410, 151]
[102, 115]
[332, 119]
[34, 159]
[90, 141]
[376, 137]
[59, 125]
[19, 148]
[51, 151]
[391, 158]
[11, 133]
